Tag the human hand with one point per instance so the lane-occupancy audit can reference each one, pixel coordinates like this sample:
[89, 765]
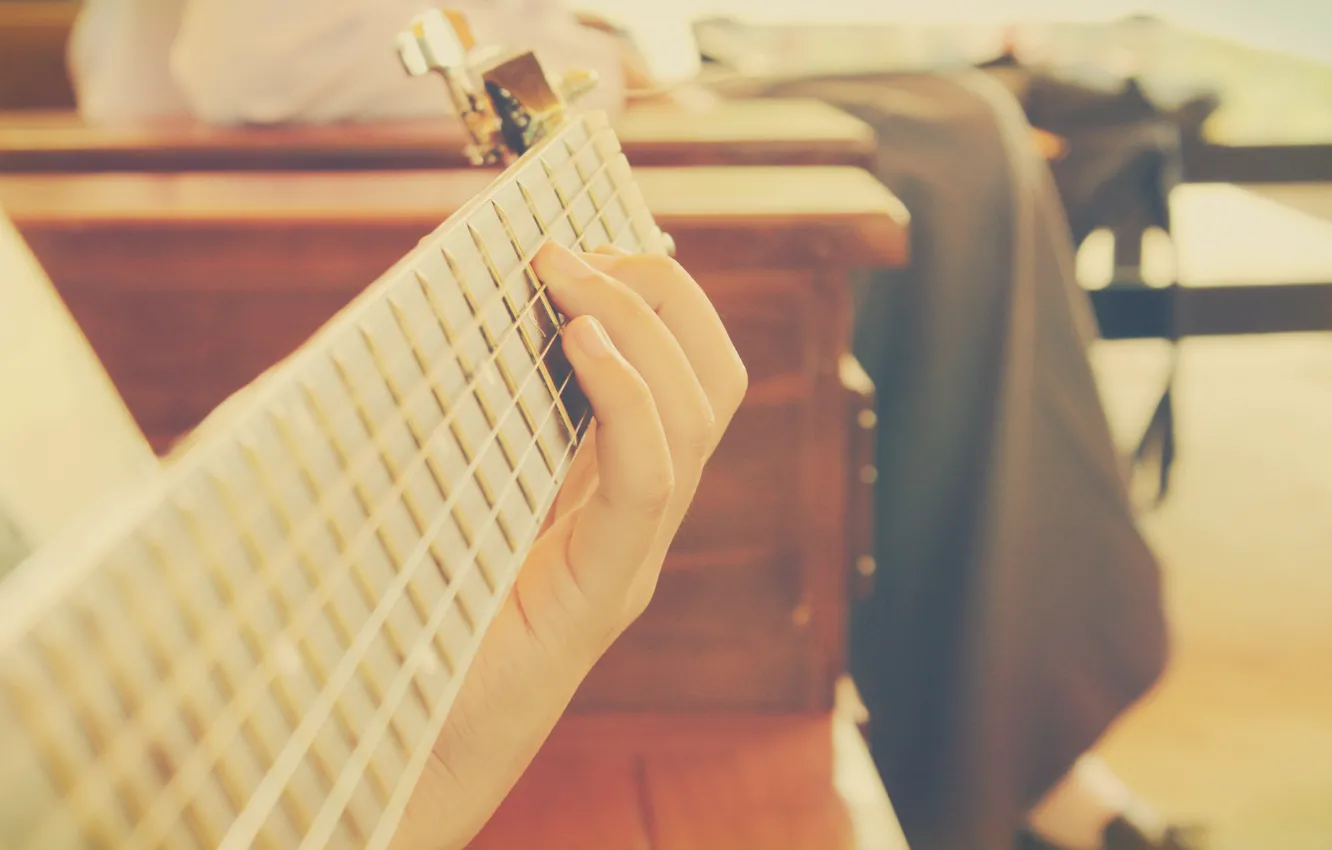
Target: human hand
[664, 380]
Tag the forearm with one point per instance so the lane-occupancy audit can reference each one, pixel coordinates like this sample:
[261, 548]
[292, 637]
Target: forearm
[496, 727]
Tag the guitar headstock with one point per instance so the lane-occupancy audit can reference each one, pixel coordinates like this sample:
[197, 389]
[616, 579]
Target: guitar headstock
[506, 99]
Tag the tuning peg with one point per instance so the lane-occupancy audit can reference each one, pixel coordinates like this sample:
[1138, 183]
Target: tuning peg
[410, 53]
[577, 82]
[438, 40]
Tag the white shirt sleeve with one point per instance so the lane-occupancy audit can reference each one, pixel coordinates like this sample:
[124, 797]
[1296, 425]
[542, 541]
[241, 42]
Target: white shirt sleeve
[117, 58]
[263, 61]
[275, 61]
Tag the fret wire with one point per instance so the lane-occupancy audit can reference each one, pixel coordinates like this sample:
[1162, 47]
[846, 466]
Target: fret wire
[158, 657]
[363, 455]
[587, 181]
[193, 721]
[617, 196]
[231, 786]
[320, 505]
[84, 788]
[48, 732]
[419, 606]
[288, 528]
[567, 204]
[395, 807]
[379, 785]
[502, 286]
[448, 420]
[253, 589]
[288, 706]
[381, 535]
[314, 577]
[88, 713]
[473, 374]
[282, 694]
[262, 801]
[347, 550]
[523, 266]
[63, 669]
[390, 468]
[593, 137]
[159, 707]
[381, 364]
[192, 770]
[420, 438]
[109, 645]
[485, 331]
[340, 541]
[525, 269]
[454, 339]
[50, 738]
[544, 229]
[337, 797]
[525, 260]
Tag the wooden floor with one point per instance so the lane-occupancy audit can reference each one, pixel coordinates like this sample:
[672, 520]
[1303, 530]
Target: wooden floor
[710, 782]
[1239, 735]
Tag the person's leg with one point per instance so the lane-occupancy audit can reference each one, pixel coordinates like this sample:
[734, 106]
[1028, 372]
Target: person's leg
[1078, 810]
[1016, 612]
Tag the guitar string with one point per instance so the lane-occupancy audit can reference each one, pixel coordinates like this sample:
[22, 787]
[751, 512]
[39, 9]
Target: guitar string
[166, 695]
[339, 795]
[567, 212]
[200, 760]
[393, 809]
[356, 464]
[364, 457]
[204, 653]
[250, 821]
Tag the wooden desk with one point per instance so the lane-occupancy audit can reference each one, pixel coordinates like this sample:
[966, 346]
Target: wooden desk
[741, 782]
[762, 132]
[189, 286]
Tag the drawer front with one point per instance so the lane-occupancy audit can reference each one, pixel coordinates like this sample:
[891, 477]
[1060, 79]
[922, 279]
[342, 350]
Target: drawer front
[750, 602]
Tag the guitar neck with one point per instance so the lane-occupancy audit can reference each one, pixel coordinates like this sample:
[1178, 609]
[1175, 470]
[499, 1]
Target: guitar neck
[261, 647]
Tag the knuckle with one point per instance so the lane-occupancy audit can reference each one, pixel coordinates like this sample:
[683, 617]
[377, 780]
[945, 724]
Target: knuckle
[634, 306]
[734, 383]
[648, 496]
[696, 435]
[642, 404]
[640, 596]
[666, 267]
[658, 267]
[654, 495]
[741, 380]
[638, 307]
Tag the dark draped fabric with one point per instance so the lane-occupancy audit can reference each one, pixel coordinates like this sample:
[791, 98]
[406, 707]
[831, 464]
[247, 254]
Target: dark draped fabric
[1017, 609]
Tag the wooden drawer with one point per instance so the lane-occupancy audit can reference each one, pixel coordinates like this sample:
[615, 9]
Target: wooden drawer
[189, 287]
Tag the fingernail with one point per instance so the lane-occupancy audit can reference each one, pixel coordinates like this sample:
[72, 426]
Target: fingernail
[560, 260]
[609, 250]
[590, 337]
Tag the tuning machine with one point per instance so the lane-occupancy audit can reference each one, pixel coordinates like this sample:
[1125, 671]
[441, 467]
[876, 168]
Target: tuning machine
[505, 99]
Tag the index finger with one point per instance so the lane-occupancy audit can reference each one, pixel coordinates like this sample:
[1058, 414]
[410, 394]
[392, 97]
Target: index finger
[690, 316]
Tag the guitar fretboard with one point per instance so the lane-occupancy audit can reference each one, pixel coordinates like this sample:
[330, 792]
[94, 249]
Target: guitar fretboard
[260, 648]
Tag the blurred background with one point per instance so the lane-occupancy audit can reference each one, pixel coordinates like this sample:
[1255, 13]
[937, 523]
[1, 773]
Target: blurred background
[1230, 311]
